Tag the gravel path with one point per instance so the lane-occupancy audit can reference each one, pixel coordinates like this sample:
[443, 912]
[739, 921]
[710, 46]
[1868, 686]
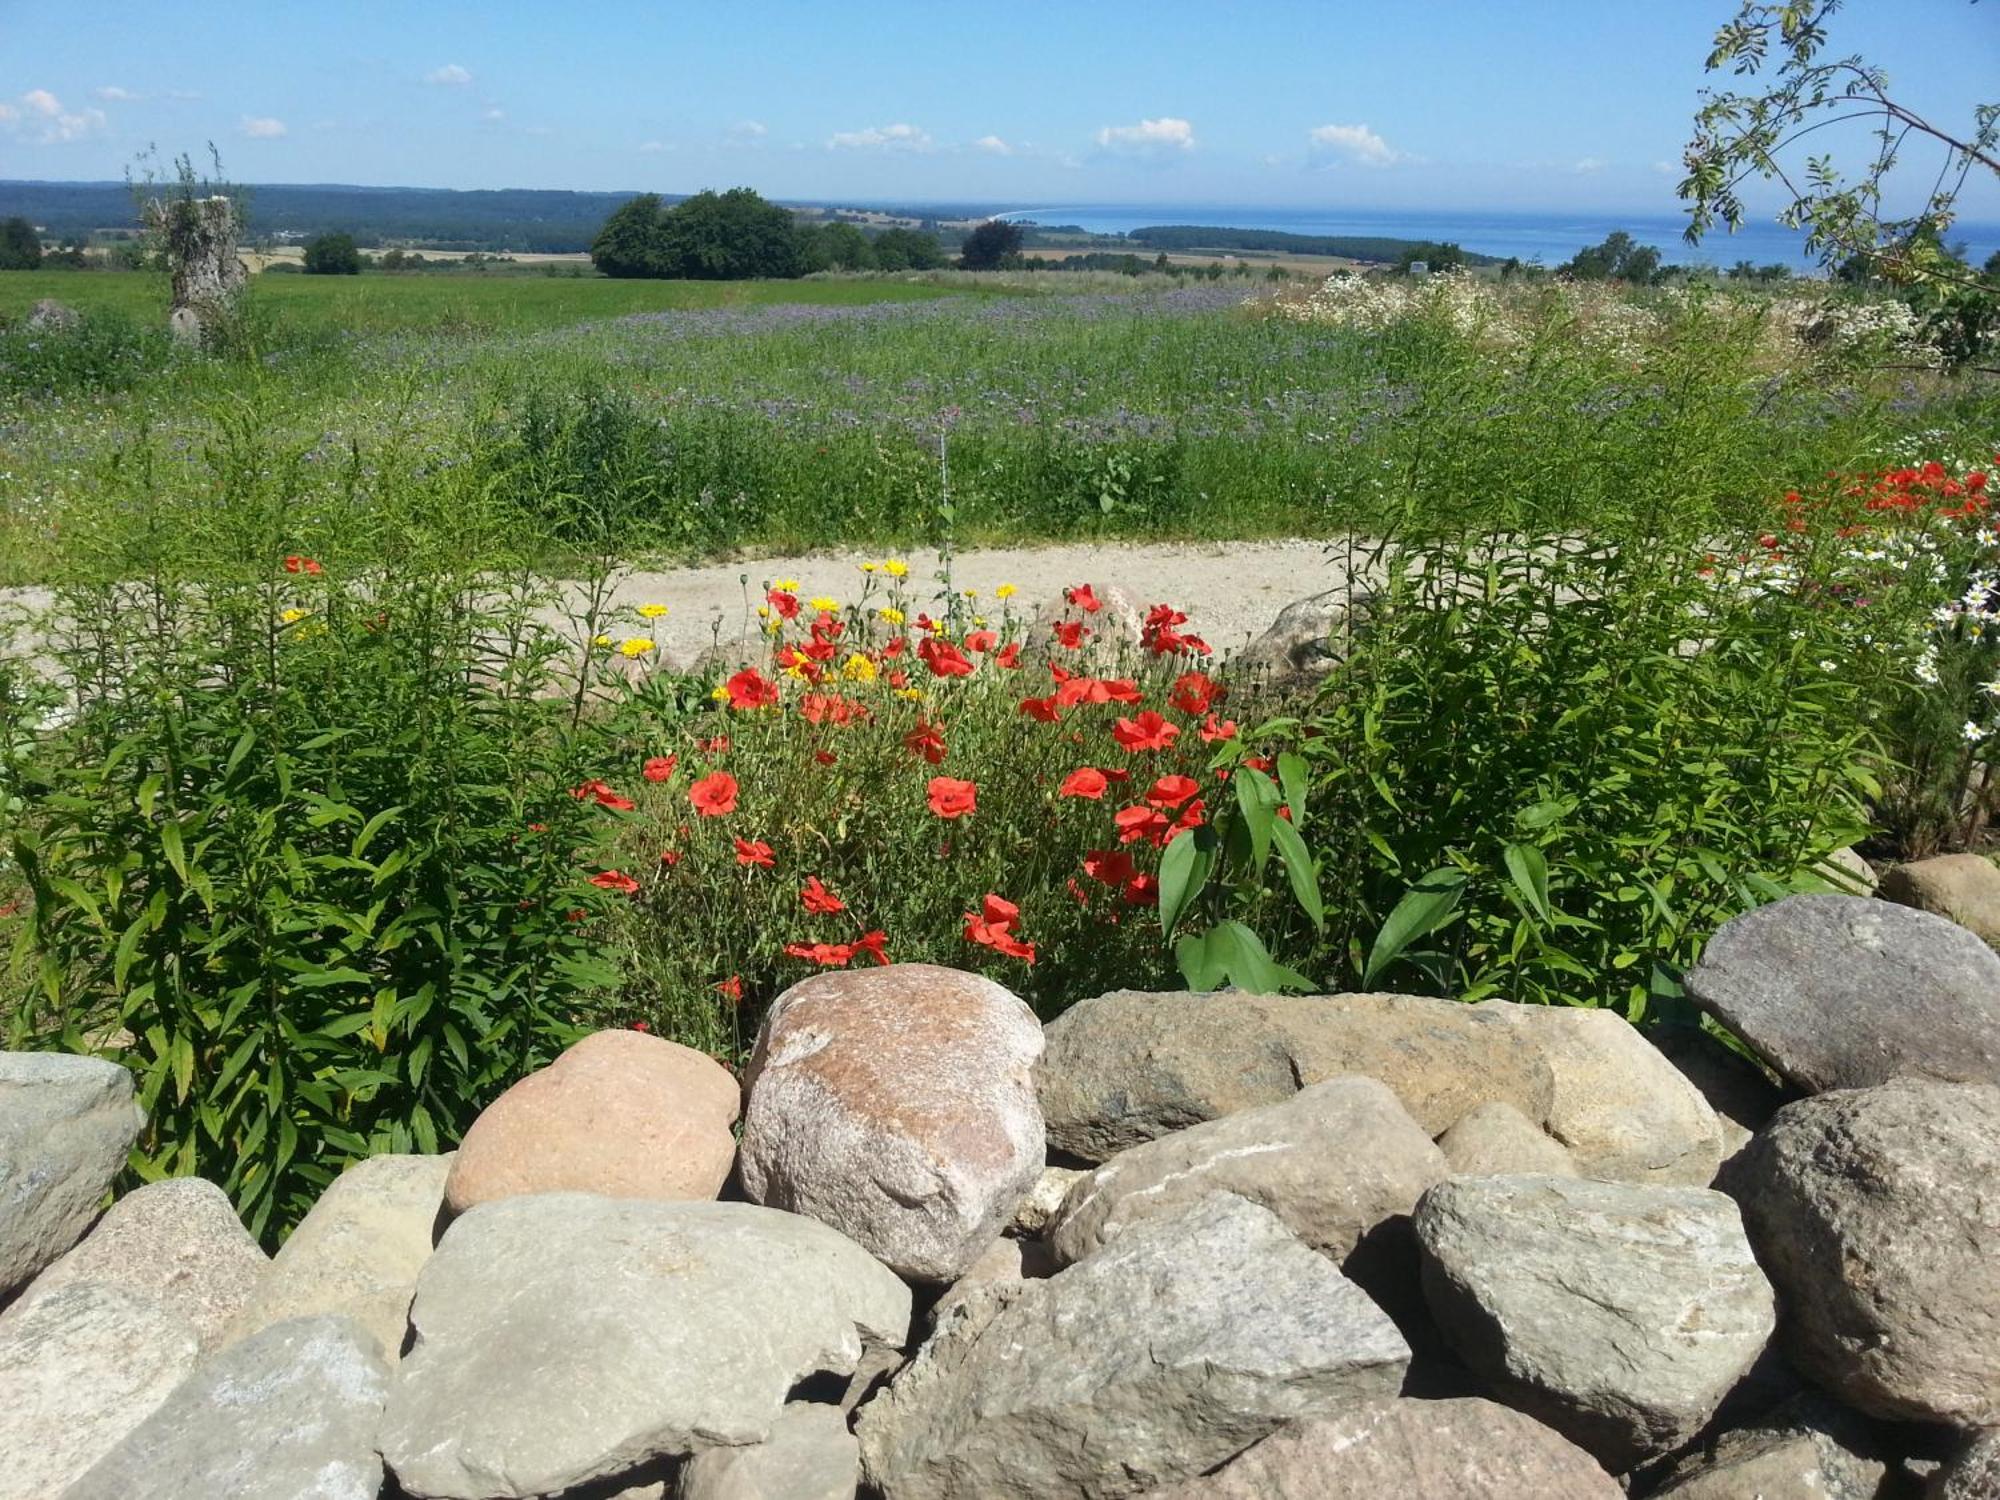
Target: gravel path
[1231, 590]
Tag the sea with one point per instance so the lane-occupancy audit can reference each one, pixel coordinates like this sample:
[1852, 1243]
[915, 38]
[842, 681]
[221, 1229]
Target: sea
[1545, 238]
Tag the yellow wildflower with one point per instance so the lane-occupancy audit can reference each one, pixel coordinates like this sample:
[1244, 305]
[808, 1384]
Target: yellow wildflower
[869, 567]
[890, 615]
[763, 611]
[636, 645]
[719, 693]
[826, 604]
[970, 593]
[895, 567]
[796, 669]
[293, 616]
[601, 640]
[858, 668]
[785, 585]
[915, 695]
[652, 611]
[1005, 591]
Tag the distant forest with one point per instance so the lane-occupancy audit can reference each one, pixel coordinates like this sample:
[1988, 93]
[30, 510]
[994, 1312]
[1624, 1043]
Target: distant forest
[520, 219]
[1185, 237]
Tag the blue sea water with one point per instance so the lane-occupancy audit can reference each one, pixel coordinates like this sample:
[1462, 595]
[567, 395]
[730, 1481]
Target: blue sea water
[1550, 238]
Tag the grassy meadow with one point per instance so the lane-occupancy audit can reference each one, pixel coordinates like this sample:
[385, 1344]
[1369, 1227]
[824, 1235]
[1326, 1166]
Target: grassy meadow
[330, 812]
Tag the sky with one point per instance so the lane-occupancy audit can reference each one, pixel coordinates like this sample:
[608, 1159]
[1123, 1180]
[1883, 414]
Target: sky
[1450, 104]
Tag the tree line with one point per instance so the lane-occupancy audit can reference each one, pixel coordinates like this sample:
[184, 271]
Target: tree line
[738, 234]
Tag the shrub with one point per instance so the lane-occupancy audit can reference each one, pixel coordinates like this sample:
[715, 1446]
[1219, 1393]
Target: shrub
[306, 860]
[332, 255]
[103, 352]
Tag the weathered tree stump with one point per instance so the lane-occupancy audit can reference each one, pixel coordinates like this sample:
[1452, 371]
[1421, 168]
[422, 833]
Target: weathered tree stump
[200, 238]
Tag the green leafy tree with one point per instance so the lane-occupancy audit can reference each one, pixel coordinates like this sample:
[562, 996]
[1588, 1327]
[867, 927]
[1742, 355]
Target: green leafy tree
[20, 245]
[836, 247]
[907, 250]
[730, 236]
[332, 255]
[1617, 258]
[1744, 136]
[629, 243]
[992, 246]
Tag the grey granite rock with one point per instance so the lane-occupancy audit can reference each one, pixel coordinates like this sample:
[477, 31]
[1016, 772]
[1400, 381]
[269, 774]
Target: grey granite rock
[810, 1455]
[66, 1124]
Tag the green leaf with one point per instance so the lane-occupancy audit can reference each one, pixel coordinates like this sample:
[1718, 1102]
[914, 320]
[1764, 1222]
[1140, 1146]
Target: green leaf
[1256, 797]
[1299, 871]
[1184, 870]
[1529, 872]
[1292, 777]
[369, 829]
[1250, 965]
[1200, 959]
[1425, 907]
[170, 844]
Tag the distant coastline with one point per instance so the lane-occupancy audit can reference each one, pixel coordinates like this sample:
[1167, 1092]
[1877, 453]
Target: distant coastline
[1549, 238]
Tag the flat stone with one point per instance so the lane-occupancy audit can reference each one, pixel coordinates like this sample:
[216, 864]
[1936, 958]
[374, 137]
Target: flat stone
[898, 1106]
[1461, 1449]
[563, 1338]
[1044, 1198]
[79, 1369]
[1877, 1215]
[810, 1455]
[1172, 1349]
[1000, 1267]
[1961, 888]
[66, 1124]
[1973, 1472]
[1495, 1139]
[1809, 1449]
[357, 1252]
[289, 1413]
[1618, 1314]
[1337, 1162]
[1131, 1066]
[1623, 1111]
[621, 1114]
[1838, 992]
[178, 1241]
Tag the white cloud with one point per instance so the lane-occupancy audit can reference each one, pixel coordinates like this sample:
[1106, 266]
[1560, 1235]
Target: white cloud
[261, 127]
[1155, 137]
[493, 113]
[450, 76]
[1354, 144]
[1667, 168]
[881, 138]
[112, 94]
[749, 130]
[654, 148]
[40, 116]
[1587, 165]
[993, 145]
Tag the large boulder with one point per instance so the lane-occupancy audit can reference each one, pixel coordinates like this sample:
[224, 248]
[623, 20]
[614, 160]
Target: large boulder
[1620, 1315]
[1305, 642]
[1130, 1066]
[1175, 1347]
[1495, 1139]
[1461, 1449]
[290, 1411]
[1961, 888]
[1973, 1473]
[897, 1105]
[621, 1113]
[1740, 1092]
[178, 1241]
[79, 1369]
[810, 1455]
[66, 1124]
[357, 1251]
[1622, 1110]
[1337, 1162]
[1838, 992]
[562, 1339]
[1877, 1215]
[1808, 1449]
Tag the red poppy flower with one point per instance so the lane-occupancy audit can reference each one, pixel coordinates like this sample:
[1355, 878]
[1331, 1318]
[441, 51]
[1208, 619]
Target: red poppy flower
[755, 852]
[659, 767]
[1084, 781]
[750, 688]
[1141, 822]
[1142, 890]
[731, 989]
[603, 796]
[875, 944]
[670, 857]
[926, 740]
[787, 605]
[639, 1026]
[951, 798]
[895, 646]
[1084, 597]
[1213, 730]
[714, 796]
[1172, 791]
[1148, 732]
[1008, 656]
[818, 900]
[296, 564]
[992, 926]
[943, 658]
[1043, 709]
[826, 955]
[982, 640]
[1069, 633]
[824, 757]
[717, 746]
[1194, 693]
[614, 880]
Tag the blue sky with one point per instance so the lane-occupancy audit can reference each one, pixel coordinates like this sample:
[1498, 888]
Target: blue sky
[1536, 104]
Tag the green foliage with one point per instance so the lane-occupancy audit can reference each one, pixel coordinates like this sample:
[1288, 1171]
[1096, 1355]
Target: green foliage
[992, 246]
[20, 245]
[1616, 258]
[332, 255]
[907, 250]
[836, 247]
[712, 236]
[629, 243]
[104, 352]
